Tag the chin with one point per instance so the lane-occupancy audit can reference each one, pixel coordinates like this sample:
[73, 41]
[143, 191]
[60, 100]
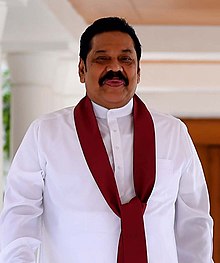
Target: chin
[115, 103]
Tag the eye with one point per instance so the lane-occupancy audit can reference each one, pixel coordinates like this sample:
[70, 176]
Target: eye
[102, 59]
[126, 59]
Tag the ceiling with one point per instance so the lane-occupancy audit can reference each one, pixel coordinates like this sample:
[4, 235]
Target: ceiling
[180, 40]
[152, 12]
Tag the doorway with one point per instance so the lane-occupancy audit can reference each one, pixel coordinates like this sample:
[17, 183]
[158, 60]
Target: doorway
[205, 134]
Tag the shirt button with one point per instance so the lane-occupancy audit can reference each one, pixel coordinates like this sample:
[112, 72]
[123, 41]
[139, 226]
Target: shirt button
[117, 147]
[114, 130]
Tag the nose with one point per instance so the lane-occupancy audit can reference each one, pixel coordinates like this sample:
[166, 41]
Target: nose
[114, 66]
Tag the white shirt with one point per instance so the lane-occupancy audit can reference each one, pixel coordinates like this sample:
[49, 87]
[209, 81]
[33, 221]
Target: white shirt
[53, 202]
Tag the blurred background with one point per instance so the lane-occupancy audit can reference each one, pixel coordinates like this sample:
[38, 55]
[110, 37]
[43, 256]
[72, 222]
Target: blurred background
[180, 68]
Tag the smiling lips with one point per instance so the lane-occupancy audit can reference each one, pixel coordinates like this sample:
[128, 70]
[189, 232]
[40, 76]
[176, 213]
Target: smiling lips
[114, 82]
[114, 79]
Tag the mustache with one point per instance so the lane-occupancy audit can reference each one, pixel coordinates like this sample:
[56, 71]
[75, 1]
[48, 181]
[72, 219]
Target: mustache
[112, 74]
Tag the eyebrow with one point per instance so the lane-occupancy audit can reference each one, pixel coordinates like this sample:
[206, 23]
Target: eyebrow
[100, 51]
[123, 51]
[127, 51]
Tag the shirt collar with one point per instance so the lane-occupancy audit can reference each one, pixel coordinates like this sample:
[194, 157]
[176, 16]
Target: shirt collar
[101, 112]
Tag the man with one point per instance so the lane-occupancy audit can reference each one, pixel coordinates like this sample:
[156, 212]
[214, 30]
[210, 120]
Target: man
[107, 181]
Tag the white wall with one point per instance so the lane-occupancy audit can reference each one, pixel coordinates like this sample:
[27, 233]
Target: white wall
[182, 88]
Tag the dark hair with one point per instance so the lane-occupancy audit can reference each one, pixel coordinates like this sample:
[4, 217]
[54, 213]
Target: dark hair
[107, 24]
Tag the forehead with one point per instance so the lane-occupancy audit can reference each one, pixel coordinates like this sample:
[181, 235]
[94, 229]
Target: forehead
[114, 40]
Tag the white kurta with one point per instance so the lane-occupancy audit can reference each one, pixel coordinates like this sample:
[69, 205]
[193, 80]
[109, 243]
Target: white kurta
[53, 202]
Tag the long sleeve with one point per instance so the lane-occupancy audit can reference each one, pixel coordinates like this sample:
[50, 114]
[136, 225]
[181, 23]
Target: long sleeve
[20, 222]
[193, 224]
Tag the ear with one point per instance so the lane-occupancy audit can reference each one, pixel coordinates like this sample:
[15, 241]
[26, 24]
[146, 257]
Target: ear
[81, 71]
[138, 75]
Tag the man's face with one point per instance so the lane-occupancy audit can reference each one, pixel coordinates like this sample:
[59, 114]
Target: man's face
[111, 72]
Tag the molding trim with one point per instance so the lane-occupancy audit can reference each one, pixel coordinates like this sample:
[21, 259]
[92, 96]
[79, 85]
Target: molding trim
[181, 57]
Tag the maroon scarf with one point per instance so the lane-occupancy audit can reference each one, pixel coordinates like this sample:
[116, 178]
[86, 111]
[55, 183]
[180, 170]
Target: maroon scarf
[132, 243]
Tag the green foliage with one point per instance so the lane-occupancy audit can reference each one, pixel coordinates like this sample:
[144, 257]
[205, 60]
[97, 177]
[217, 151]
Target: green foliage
[6, 100]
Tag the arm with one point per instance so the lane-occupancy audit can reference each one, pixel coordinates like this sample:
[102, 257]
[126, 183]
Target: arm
[20, 221]
[193, 224]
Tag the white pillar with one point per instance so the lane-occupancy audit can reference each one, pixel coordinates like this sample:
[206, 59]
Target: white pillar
[3, 13]
[31, 75]
[67, 89]
[41, 82]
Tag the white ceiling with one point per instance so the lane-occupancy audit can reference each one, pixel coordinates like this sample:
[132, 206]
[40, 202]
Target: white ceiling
[162, 25]
[152, 12]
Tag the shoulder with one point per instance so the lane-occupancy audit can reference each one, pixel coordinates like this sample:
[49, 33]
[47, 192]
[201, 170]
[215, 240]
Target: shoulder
[166, 121]
[172, 136]
[170, 129]
[53, 117]
[52, 122]
[56, 115]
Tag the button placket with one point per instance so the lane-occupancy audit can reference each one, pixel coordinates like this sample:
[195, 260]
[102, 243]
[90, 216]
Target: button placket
[117, 151]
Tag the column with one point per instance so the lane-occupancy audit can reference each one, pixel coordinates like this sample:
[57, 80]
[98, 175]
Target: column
[67, 89]
[41, 82]
[31, 75]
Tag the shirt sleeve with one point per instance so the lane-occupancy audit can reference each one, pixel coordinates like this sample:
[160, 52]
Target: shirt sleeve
[20, 221]
[193, 223]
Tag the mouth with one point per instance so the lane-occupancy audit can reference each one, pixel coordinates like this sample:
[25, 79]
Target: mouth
[114, 82]
[114, 79]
